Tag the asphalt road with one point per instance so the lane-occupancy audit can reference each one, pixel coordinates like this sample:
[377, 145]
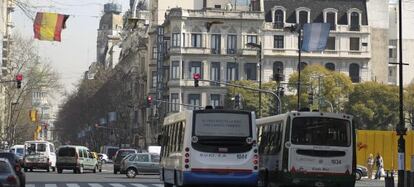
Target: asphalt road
[40, 178]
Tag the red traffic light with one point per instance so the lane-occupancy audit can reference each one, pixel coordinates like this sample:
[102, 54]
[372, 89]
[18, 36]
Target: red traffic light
[19, 77]
[196, 76]
[149, 98]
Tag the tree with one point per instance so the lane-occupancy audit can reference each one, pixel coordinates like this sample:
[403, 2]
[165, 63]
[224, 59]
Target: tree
[38, 75]
[250, 99]
[328, 87]
[374, 106]
[409, 104]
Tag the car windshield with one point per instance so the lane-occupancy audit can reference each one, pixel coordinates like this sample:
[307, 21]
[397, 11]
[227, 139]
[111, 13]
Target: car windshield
[19, 151]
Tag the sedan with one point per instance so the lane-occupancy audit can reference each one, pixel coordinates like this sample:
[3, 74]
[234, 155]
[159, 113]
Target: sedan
[141, 163]
[7, 175]
[17, 165]
[361, 171]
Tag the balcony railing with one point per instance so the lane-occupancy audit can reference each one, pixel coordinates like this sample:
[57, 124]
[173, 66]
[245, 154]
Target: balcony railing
[355, 28]
[231, 51]
[215, 51]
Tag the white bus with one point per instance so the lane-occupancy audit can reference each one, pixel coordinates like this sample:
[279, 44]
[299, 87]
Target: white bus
[307, 149]
[216, 147]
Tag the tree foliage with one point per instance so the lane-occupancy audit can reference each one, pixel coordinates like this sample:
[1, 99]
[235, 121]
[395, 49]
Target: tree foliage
[374, 106]
[38, 75]
[327, 87]
[409, 104]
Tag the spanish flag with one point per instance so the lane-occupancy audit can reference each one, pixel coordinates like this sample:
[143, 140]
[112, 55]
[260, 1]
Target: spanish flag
[48, 26]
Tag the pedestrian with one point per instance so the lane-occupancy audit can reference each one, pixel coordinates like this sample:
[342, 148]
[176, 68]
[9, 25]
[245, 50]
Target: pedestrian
[379, 162]
[370, 165]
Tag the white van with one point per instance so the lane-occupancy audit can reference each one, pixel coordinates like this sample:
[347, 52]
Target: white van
[18, 150]
[39, 155]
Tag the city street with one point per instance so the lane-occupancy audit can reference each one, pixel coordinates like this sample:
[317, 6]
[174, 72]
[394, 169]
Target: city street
[107, 178]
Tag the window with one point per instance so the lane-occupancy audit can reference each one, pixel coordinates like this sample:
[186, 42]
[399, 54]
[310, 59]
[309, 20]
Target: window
[142, 158]
[194, 100]
[215, 100]
[154, 79]
[215, 43]
[232, 71]
[231, 44]
[215, 73]
[154, 53]
[278, 42]
[251, 71]
[252, 39]
[176, 41]
[354, 21]
[52, 149]
[354, 44]
[196, 40]
[330, 18]
[330, 66]
[354, 73]
[175, 70]
[330, 44]
[392, 53]
[175, 101]
[195, 67]
[303, 17]
[279, 19]
[184, 40]
[278, 69]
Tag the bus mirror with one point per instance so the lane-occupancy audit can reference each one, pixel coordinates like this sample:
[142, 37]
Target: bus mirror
[194, 139]
[249, 140]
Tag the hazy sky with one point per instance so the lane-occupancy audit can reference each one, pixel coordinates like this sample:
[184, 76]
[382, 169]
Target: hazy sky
[72, 56]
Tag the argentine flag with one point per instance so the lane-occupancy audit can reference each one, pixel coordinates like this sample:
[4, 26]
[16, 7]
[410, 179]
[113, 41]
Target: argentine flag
[315, 36]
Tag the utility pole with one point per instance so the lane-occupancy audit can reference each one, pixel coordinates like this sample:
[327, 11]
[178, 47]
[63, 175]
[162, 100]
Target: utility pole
[401, 130]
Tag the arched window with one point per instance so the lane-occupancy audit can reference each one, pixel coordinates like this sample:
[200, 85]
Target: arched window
[354, 72]
[279, 19]
[330, 66]
[330, 18]
[303, 65]
[278, 71]
[303, 17]
[354, 21]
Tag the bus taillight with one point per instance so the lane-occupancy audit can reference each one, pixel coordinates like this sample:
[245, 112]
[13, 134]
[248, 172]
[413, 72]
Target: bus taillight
[255, 161]
[187, 155]
[187, 158]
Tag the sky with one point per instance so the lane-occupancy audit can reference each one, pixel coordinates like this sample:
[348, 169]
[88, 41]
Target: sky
[74, 54]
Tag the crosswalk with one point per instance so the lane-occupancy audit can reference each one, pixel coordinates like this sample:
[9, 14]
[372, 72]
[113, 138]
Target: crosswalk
[94, 185]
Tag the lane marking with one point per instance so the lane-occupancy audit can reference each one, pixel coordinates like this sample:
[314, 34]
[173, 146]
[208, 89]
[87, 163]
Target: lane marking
[117, 185]
[30, 185]
[158, 185]
[50, 185]
[139, 185]
[72, 185]
[94, 185]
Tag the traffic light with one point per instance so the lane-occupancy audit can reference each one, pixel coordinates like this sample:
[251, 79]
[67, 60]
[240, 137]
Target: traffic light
[149, 100]
[310, 98]
[237, 101]
[196, 77]
[19, 78]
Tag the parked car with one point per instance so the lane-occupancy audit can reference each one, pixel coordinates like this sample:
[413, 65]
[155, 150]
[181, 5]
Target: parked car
[361, 171]
[17, 165]
[104, 158]
[76, 158]
[120, 154]
[140, 163]
[8, 176]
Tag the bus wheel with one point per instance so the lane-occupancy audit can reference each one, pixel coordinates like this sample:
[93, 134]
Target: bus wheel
[263, 179]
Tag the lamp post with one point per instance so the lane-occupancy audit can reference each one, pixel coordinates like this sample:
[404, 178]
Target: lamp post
[259, 64]
[297, 28]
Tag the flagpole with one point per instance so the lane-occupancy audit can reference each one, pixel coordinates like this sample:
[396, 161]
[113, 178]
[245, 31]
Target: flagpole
[299, 63]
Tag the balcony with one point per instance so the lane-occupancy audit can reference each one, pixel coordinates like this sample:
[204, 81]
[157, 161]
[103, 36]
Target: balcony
[231, 51]
[215, 51]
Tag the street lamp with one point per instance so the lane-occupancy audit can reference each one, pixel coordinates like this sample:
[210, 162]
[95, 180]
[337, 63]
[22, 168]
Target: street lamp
[297, 28]
[259, 53]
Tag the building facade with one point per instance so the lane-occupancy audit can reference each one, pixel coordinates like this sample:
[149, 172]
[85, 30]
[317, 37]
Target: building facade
[407, 42]
[348, 48]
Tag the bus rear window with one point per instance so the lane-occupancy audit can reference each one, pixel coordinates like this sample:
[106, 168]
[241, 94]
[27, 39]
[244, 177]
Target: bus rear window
[222, 124]
[321, 131]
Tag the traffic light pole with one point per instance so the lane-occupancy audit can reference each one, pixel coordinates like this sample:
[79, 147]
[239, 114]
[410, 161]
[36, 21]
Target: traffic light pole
[278, 104]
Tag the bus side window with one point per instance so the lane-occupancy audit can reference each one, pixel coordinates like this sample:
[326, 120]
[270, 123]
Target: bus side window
[179, 137]
[175, 135]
